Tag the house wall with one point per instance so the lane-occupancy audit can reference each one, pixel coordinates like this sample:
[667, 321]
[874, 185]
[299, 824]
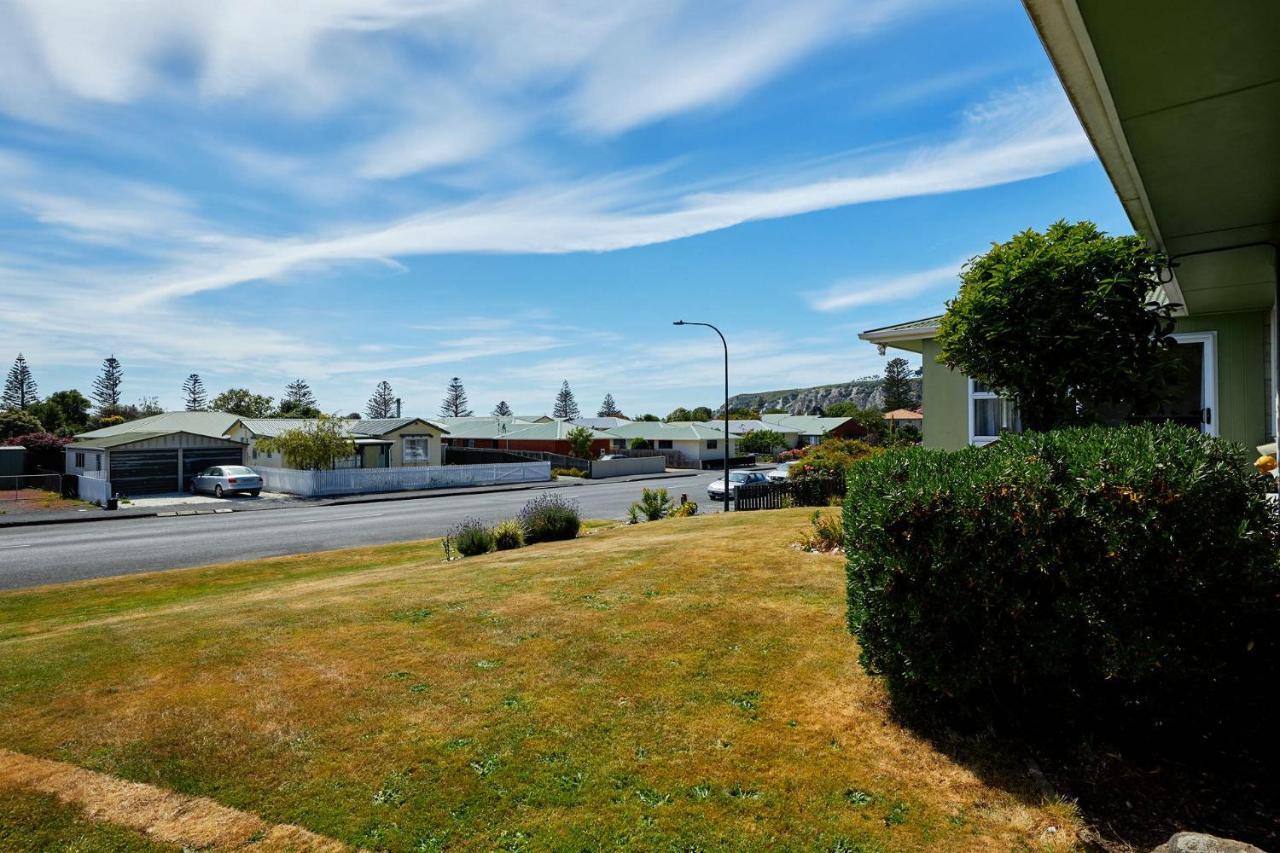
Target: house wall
[945, 396]
[564, 448]
[1242, 371]
[93, 461]
[434, 454]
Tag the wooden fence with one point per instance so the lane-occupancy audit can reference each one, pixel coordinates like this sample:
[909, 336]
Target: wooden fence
[804, 491]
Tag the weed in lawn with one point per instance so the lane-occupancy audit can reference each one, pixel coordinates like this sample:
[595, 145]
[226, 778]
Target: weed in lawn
[650, 797]
[420, 687]
[457, 743]
[897, 815]
[484, 766]
[398, 675]
[748, 701]
[514, 702]
[700, 793]
[392, 791]
[485, 663]
[857, 797]
[738, 792]
[422, 614]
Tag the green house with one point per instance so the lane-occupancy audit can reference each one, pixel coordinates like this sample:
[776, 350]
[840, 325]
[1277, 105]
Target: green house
[1182, 104]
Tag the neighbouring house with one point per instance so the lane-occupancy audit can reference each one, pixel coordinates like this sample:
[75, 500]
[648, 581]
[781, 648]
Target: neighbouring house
[606, 422]
[811, 429]
[1184, 112]
[156, 454]
[546, 435]
[12, 461]
[905, 417]
[379, 442]
[740, 427]
[690, 443]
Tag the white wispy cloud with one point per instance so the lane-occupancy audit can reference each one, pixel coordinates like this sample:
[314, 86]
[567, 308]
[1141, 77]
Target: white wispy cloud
[874, 290]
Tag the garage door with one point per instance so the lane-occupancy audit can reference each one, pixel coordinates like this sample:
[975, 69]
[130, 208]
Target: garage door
[138, 472]
[194, 461]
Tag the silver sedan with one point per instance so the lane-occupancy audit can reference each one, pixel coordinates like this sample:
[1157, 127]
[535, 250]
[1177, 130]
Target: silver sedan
[227, 480]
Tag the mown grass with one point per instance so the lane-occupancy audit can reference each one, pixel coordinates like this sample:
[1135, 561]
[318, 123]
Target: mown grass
[38, 823]
[680, 684]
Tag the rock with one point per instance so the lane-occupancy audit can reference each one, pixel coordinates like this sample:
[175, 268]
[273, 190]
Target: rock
[1198, 842]
[864, 393]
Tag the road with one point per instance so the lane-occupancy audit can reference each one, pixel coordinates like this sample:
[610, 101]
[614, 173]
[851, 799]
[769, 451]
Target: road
[32, 556]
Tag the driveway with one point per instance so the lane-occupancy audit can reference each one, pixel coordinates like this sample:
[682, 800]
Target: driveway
[185, 499]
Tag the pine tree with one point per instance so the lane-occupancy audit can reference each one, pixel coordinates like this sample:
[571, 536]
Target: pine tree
[106, 388]
[455, 401]
[20, 389]
[193, 391]
[608, 408]
[566, 406]
[383, 402]
[897, 385]
[502, 410]
[298, 401]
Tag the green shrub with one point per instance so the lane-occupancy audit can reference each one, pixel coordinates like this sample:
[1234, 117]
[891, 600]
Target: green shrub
[568, 472]
[549, 518]
[1106, 578]
[653, 505]
[825, 533]
[472, 537]
[685, 510]
[832, 457]
[508, 534]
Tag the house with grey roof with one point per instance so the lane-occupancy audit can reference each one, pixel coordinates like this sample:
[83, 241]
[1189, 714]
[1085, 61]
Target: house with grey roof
[378, 442]
[156, 454]
[546, 435]
[812, 429]
[688, 441]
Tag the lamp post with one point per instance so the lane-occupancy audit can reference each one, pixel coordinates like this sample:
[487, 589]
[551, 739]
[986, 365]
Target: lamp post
[726, 402]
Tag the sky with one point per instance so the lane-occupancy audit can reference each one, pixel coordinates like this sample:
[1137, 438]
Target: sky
[514, 193]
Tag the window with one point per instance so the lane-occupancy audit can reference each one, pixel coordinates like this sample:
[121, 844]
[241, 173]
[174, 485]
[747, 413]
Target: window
[713, 443]
[416, 449]
[664, 444]
[619, 443]
[80, 460]
[97, 461]
[990, 414]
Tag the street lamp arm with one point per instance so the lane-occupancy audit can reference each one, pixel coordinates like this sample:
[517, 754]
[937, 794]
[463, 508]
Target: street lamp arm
[726, 401]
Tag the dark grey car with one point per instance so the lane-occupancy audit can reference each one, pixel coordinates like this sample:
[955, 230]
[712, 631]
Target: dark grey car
[227, 480]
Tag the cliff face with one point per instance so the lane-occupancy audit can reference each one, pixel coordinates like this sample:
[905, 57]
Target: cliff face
[863, 393]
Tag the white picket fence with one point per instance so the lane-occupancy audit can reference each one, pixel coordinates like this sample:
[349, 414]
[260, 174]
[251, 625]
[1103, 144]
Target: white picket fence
[356, 481]
[93, 489]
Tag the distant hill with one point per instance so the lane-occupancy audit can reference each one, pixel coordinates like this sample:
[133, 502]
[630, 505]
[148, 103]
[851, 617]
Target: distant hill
[865, 393]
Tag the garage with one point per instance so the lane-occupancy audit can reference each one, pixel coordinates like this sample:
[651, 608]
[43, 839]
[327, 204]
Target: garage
[155, 455]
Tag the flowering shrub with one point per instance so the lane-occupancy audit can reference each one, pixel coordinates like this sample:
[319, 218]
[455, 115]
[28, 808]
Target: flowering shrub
[833, 457]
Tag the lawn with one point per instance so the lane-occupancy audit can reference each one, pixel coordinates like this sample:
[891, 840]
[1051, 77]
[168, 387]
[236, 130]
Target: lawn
[683, 684]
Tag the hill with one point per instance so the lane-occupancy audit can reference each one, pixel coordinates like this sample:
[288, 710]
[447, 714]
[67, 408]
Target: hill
[866, 393]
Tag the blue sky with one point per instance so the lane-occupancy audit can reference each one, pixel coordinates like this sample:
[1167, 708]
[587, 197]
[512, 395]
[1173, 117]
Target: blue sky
[514, 193]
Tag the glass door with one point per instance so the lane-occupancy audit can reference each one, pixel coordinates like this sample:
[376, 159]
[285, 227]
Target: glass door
[1194, 402]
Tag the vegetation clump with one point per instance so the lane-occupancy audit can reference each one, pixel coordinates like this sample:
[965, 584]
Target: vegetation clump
[472, 537]
[508, 535]
[653, 505]
[1109, 579]
[825, 534]
[550, 518]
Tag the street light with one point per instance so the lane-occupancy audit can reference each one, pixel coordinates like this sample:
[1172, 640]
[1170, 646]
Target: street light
[726, 403]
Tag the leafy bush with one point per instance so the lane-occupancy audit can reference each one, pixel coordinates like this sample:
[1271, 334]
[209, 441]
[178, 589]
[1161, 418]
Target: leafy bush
[37, 442]
[685, 510]
[832, 457]
[761, 441]
[568, 472]
[17, 423]
[549, 518]
[472, 537]
[508, 535]
[653, 505]
[1096, 577]
[824, 533]
[639, 443]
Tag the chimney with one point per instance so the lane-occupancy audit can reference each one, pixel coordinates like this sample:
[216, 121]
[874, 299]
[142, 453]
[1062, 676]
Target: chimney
[397, 407]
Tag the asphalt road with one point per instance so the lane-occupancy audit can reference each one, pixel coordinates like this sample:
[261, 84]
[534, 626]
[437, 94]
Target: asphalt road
[32, 556]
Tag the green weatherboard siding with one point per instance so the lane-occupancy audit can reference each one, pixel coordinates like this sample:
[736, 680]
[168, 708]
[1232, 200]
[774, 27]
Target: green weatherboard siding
[946, 400]
[1240, 411]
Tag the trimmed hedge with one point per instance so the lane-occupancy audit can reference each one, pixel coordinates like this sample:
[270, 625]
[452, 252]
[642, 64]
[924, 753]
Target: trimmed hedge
[1094, 577]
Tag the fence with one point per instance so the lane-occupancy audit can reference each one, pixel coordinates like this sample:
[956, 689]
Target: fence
[455, 455]
[623, 467]
[20, 487]
[805, 491]
[93, 489]
[355, 481]
[671, 458]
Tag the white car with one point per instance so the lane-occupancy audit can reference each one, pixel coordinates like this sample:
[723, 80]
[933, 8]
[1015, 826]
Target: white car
[227, 480]
[715, 491]
[780, 474]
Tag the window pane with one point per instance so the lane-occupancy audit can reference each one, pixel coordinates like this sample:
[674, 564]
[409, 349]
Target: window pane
[993, 416]
[981, 387]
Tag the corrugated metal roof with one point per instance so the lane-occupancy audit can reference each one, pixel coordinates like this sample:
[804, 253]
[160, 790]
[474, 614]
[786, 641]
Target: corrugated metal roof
[742, 427]
[657, 430]
[926, 327]
[805, 424]
[270, 427]
[601, 423]
[105, 442]
[210, 424]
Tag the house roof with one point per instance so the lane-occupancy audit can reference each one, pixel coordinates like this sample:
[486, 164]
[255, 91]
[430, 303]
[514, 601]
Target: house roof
[371, 427]
[601, 423]
[904, 335]
[657, 430]
[805, 424]
[743, 426]
[549, 429]
[209, 424]
[119, 439]
[903, 415]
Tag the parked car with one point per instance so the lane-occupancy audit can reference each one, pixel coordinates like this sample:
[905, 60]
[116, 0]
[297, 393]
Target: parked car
[715, 491]
[609, 457]
[227, 480]
[781, 473]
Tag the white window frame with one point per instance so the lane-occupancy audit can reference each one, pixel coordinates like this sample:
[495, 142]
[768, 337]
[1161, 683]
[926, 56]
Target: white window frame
[974, 394]
[1209, 379]
[405, 458]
